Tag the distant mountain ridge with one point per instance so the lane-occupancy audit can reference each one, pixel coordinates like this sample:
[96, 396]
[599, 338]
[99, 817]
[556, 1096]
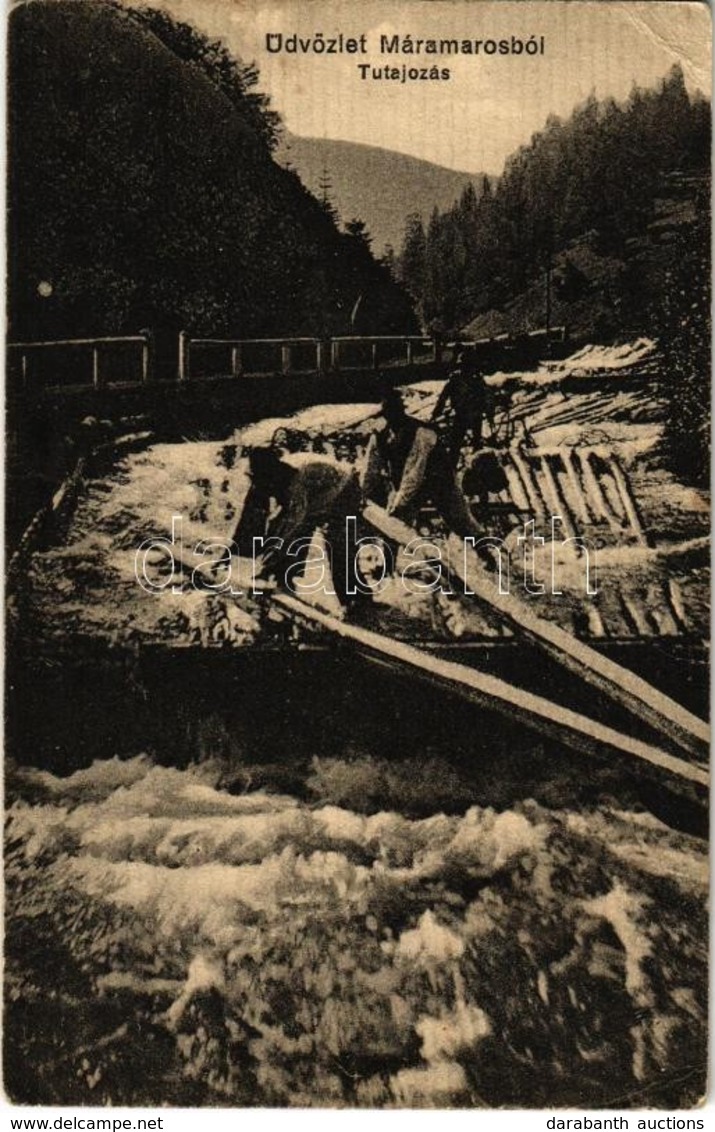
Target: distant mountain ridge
[380, 186]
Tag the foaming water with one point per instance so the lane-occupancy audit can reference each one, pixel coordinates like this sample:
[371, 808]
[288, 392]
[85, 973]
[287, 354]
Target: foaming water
[171, 942]
[318, 886]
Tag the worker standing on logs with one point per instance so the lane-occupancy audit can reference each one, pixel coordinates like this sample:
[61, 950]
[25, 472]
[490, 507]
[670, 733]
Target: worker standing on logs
[467, 396]
[289, 498]
[407, 466]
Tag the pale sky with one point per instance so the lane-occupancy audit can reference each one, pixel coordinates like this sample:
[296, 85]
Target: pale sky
[492, 104]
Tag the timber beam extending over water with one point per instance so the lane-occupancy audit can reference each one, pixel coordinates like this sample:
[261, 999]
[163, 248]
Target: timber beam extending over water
[571, 728]
[687, 731]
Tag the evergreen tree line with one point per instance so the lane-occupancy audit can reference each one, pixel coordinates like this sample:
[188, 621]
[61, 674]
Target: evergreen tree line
[682, 325]
[142, 192]
[598, 173]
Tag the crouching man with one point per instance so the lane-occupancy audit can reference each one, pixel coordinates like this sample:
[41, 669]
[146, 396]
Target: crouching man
[289, 498]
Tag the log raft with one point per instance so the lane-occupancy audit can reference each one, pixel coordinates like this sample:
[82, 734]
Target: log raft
[575, 730]
[622, 686]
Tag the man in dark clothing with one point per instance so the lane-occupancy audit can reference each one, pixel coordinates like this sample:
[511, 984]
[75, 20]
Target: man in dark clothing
[288, 499]
[407, 466]
[466, 394]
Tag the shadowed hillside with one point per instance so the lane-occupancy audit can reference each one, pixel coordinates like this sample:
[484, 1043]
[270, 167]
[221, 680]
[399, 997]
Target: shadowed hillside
[143, 193]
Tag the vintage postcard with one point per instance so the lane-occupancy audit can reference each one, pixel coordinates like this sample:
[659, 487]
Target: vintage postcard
[358, 543]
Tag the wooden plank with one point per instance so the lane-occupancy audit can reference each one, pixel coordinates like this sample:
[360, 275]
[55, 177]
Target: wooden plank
[575, 484]
[621, 685]
[636, 615]
[630, 617]
[595, 622]
[544, 481]
[658, 605]
[556, 491]
[675, 598]
[595, 493]
[75, 342]
[530, 489]
[518, 493]
[634, 693]
[624, 491]
[577, 731]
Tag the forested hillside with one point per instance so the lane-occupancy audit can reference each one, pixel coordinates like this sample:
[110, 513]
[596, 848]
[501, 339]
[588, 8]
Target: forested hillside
[143, 193]
[585, 199]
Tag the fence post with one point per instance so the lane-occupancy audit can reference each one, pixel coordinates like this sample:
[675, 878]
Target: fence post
[437, 344]
[183, 355]
[409, 351]
[320, 355]
[147, 355]
[96, 379]
[23, 364]
[334, 354]
[286, 357]
[236, 361]
[374, 355]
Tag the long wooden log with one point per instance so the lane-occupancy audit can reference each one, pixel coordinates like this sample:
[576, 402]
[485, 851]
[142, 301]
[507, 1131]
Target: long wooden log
[629, 504]
[621, 685]
[575, 730]
[596, 494]
[525, 475]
